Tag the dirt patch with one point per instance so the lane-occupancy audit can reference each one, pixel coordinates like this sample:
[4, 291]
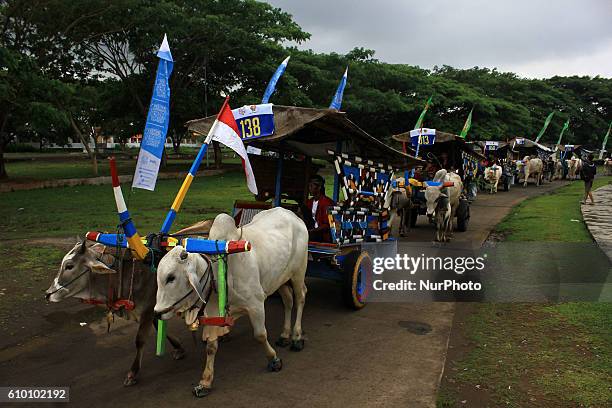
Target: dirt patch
[457, 393]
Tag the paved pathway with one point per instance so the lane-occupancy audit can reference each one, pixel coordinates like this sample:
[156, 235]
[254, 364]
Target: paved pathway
[598, 218]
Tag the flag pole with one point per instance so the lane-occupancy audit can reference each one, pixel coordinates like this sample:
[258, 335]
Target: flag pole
[180, 196]
[133, 238]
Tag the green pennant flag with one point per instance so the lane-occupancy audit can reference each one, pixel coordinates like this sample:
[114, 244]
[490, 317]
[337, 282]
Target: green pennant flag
[565, 127]
[546, 122]
[422, 116]
[605, 141]
[467, 125]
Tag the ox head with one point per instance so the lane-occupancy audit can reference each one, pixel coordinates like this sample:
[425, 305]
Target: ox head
[179, 281]
[433, 195]
[73, 276]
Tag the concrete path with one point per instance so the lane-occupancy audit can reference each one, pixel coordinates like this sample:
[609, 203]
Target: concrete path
[598, 218]
[363, 358]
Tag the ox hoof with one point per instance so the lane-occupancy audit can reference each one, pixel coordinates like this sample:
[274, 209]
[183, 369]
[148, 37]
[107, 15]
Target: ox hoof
[178, 354]
[275, 365]
[283, 342]
[130, 380]
[297, 345]
[200, 391]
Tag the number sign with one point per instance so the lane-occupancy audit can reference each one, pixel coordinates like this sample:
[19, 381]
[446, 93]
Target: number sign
[423, 137]
[254, 121]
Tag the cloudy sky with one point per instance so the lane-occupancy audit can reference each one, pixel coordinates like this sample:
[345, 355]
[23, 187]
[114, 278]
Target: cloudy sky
[534, 38]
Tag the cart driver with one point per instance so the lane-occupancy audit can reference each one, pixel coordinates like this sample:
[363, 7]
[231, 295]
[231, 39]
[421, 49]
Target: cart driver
[317, 206]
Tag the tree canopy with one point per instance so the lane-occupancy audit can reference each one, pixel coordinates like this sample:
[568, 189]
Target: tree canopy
[67, 66]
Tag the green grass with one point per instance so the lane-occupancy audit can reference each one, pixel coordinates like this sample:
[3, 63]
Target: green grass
[537, 354]
[549, 217]
[78, 168]
[67, 211]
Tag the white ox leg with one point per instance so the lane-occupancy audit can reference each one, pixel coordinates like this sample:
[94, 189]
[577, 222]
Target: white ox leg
[257, 315]
[299, 290]
[286, 294]
[205, 385]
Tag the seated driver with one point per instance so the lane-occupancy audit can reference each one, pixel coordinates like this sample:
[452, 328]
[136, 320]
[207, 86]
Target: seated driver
[317, 205]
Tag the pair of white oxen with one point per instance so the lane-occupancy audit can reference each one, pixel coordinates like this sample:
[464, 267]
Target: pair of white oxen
[528, 168]
[442, 198]
[185, 284]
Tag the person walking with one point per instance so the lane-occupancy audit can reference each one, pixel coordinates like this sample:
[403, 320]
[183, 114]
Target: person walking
[587, 173]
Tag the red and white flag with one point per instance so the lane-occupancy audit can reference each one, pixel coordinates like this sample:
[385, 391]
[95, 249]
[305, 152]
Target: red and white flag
[225, 130]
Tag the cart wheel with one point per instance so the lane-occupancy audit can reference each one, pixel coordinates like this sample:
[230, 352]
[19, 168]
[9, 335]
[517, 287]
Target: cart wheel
[463, 216]
[357, 267]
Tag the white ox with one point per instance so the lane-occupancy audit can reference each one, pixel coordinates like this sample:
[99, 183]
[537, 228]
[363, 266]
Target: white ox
[492, 175]
[277, 261]
[558, 169]
[608, 166]
[574, 165]
[442, 203]
[531, 168]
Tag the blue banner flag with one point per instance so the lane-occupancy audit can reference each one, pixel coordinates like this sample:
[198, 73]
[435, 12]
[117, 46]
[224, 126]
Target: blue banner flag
[337, 101]
[272, 84]
[156, 127]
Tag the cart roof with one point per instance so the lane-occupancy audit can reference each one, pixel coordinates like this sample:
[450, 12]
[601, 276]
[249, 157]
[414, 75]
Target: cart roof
[313, 132]
[443, 137]
[528, 144]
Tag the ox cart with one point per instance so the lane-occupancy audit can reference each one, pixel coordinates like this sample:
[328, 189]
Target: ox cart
[303, 142]
[496, 153]
[442, 151]
[518, 148]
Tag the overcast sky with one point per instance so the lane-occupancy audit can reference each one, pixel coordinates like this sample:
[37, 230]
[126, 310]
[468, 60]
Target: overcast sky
[534, 38]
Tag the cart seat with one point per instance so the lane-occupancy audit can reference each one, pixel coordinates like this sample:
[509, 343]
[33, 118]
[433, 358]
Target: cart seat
[244, 211]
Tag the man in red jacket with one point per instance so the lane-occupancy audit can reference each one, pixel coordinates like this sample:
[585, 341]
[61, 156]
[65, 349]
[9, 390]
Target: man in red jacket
[318, 205]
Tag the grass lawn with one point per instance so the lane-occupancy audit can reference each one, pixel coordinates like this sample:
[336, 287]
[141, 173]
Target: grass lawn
[68, 211]
[548, 218]
[533, 355]
[41, 169]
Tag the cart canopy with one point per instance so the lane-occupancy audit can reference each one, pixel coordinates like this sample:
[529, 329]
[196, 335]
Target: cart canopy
[314, 132]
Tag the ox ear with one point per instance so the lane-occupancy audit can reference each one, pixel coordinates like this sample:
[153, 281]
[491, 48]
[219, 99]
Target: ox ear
[194, 282]
[100, 268]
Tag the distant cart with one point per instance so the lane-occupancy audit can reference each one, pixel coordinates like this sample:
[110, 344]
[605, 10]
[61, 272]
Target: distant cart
[442, 150]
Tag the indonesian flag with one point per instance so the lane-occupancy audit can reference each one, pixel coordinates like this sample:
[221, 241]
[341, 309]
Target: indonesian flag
[225, 130]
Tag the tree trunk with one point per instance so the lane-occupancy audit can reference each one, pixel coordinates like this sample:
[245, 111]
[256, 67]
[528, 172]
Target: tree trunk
[176, 141]
[218, 155]
[90, 153]
[4, 141]
[164, 159]
[3, 173]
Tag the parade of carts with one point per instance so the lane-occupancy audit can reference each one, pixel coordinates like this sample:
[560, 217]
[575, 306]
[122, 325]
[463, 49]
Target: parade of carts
[221, 269]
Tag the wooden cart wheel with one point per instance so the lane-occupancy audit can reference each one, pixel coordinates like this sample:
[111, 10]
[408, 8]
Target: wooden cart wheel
[357, 270]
